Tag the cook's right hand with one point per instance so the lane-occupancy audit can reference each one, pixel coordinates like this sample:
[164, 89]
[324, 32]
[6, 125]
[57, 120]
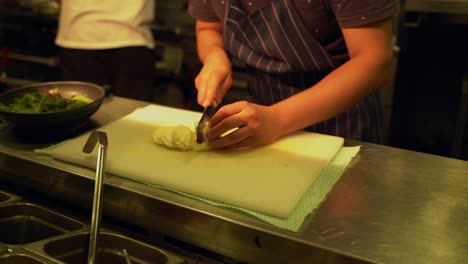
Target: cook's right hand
[214, 79]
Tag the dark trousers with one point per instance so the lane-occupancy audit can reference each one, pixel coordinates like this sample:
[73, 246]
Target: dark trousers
[129, 71]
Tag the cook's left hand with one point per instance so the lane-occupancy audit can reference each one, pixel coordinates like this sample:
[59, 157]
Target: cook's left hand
[256, 125]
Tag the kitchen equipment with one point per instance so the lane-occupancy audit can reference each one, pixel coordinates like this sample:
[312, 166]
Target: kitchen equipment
[203, 123]
[127, 258]
[3, 248]
[17, 256]
[96, 137]
[3, 75]
[6, 197]
[23, 223]
[269, 179]
[55, 119]
[47, 8]
[71, 249]
[4, 61]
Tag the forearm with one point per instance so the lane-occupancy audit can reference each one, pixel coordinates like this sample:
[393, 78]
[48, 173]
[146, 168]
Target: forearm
[210, 42]
[215, 77]
[336, 93]
[369, 67]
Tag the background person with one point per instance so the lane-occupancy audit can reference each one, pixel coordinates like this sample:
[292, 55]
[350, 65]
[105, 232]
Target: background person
[109, 42]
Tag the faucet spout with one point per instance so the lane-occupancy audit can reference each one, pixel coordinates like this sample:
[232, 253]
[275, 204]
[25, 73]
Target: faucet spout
[96, 138]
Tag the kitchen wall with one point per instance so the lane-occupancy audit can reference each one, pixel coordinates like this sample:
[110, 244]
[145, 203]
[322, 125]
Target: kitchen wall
[431, 87]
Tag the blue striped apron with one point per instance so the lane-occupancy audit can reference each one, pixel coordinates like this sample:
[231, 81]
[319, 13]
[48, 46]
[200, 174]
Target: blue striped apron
[283, 58]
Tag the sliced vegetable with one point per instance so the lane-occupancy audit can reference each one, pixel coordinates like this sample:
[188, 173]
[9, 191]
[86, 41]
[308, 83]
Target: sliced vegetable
[34, 102]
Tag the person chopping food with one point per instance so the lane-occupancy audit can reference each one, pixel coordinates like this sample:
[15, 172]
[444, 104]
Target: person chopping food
[313, 65]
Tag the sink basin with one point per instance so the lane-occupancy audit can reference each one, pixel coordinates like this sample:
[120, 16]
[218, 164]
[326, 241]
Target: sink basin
[23, 223]
[8, 198]
[74, 249]
[19, 259]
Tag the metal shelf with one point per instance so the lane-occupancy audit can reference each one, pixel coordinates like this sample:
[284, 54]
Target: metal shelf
[438, 6]
[49, 61]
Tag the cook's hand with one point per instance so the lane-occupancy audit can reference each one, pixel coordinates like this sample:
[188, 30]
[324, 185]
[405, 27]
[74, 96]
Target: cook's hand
[256, 125]
[214, 79]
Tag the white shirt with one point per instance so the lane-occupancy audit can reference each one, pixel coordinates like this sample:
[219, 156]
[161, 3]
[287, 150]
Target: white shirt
[105, 24]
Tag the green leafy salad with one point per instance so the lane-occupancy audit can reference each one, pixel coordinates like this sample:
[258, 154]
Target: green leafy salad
[34, 102]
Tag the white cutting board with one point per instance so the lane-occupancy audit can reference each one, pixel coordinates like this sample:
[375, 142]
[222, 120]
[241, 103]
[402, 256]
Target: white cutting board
[270, 179]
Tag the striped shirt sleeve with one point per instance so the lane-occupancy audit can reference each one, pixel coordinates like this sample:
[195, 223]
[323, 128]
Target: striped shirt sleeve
[202, 10]
[355, 13]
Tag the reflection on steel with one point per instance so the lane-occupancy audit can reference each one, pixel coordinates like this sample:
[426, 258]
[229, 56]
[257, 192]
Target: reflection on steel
[100, 138]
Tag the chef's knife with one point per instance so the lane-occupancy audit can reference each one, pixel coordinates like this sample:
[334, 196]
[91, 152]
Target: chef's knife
[203, 123]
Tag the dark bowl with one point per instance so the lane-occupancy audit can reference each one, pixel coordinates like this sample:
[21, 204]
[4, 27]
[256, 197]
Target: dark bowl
[54, 119]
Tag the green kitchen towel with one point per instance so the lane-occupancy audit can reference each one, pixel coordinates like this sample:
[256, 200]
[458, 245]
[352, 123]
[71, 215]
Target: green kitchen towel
[311, 200]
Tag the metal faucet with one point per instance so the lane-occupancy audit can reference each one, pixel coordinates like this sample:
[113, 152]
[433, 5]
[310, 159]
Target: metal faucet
[96, 137]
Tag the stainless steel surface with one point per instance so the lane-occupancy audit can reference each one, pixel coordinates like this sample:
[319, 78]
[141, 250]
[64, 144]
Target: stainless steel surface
[205, 118]
[390, 206]
[100, 138]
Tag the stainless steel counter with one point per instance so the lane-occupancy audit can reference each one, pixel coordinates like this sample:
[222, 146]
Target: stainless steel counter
[390, 206]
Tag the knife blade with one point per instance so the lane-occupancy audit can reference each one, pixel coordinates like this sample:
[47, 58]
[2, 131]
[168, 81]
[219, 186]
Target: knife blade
[203, 123]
